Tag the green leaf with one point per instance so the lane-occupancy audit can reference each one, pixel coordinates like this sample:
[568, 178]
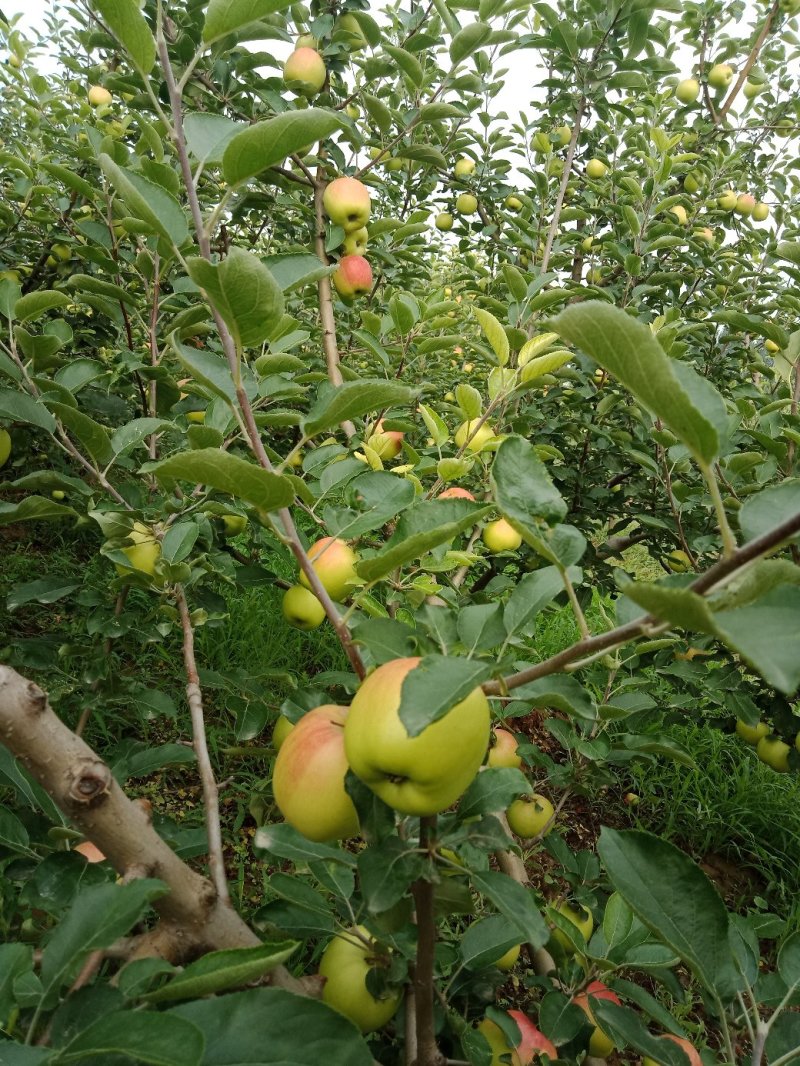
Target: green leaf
[515, 903]
[523, 490]
[544, 364]
[22, 1055]
[267, 143]
[207, 136]
[145, 1037]
[469, 401]
[561, 691]
[262, 1026]
[137, 431]
[220, 971]
[484, 942]
[243, 291]
[34, 509]
[789, 960]
[227, 473]
[378, 112]
[533, 593]
[353, 399]
[492, 790]
[212, 371]
[674, 392]
[284, 842]
[91, 434]
[43, 590]
[178, 541]
[129, 26]
[227, 16]
[89, 283]
[148, 201]
[469, 40]
[14, 835]
[434, 687]
[769, 508]
[434, 425]
[20, 407]
[15, 960]
[626, 1027]
[386, 870]
[408, 63]
[675, 900]
[381, 497]
[293, 270]
[36, 304]
[495, 334]
[70, 179]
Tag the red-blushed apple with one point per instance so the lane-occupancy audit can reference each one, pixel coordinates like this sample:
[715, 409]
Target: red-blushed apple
[347, 203]
[345, 963]
[456, 493]
[335, 564]
[304, 72]
[418, 775]
[386, 443]
[353, 277]
[530, 815]
[534, 1043]
[500, 536]
[302, 609]
[308, 779]
[503, 749]
[690, 1050]
[745, 204]
[600, 1044]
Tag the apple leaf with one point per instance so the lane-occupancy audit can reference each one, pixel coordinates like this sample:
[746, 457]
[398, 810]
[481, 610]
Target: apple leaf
[485, 941]
[130, 27]
[769, 508]
[212, 371]
[243, 291]
[141, 1036]
[148, 201]
[284, 842]
[226, 473]
[227, 16]
[20, 407]
[561, 691]
[220, 971]
[494, 789]
[34, 509]
[435, 686]
[533, 593]
[523, 489]
[495, 334]
[627, 1028]
[353, 399]
[267, 143]
[515, 902]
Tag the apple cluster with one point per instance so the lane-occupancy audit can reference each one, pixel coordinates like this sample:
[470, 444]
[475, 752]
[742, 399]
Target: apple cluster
[347, 204]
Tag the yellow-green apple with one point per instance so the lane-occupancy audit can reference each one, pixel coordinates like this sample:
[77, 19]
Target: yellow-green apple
[692, 183]
[355, 243]
[540, 143]
[304, 72]
[308, 778]
[196, 417]
[720, 76]
[596, 168]
[503, 1053]
[727, 200]
[594, 276]
[234, 524]
[464, 167]
[306, 40]
[334, 562]
[352, 277]
[688, 90]
[99, 96]
[395, 163]
[353, 111]
[145, 551]
[466, 203]
[444, 221]
[705, 233]
[280, 731]
[771, 347]
[688, 1049]
[347, 203]
[456, 493]
[564, 134]
[472, 436]
[529, 815]
[745, 204]
[503, 748]
[302, 609]
[760, 212]
[345, 963]
[680, 214]
[500, 536]
[600, 1044]
[586, 244]
[581, 918]
[508, 959]
[5, 446]
[417, 775]
[386, 443]
[751, 733]
[350, 25]
[774, 752]
[752, 88]
[58, 494]
[513, 203]
[678, 561]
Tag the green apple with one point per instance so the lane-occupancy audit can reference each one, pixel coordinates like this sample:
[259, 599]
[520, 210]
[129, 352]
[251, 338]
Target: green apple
[587, 243]
[529, 815]
[500, 536]
[688, 90]
[422, 774]
[771, 347]
[596, 168]
[353, 277]
[355, 243]
[472, 436]
[774, 752]
[58, 494]
[705, 233]
[234, 524]
[196, 417]
[680, 214]
[345, 964]
[678, 561]
[600, 1045]
[507, 961]
[302, 609]
[512, 203]
[540, 143]
[751, 89]
[580, 917]
[466, 203]
[5, 447]
[502, 745]
[727, 201]
[444, 221]
[353, 111]
[689, 1050]
[751, 733]
[720, 76]
[594, 276]
[306, 40]
[145, 551]
[564, 134]
[280, 731]
[99, 96]
[334, 562]
[308, 778]
[760, 212]
[350, 25]
[347, 203]
[692, 183]
[464, 167]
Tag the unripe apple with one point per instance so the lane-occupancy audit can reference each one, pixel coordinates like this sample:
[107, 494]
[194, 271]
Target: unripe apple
[529, 815]
[454, 493]
[280, 731]
[395, 163]
[580, 917]
[353, 277]
[306, 40]
[688, 90]
[145, 551]
[564, 134]
[308, 778]
[444, 221]
[600, 1045]
[466, 203]
[774, 752]
[62, 252]
[745, 204]
[234, 524]
[386, 443]
[678, 561]
[5, 447]
[418, 775]
[472, 436]
[680, 214]
[196, 417]
[508, 959]
[692, 183]
[705, 233]
[760, 212]
[500, 536]
[302, 609]
[540, 143]
[464, 167]
[355, 243]
[503, 747]
[594, 276]
[751, 733]
[347, 203]
[58, 494]
[513, 203]
[720, 76]
[771, 347]
[350, 25]
[586, 244]
[689, 1049]
[304, 72]
[596, 168]
[99, 96]
[353, 111]
[752, 88]
[335, 565]
[345, 964]
[727, 201]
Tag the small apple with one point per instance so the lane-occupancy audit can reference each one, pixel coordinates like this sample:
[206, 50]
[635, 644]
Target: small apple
[630, 799]
[596, 168]
[99, 96]
[580, 917]
[386, 443]
[507, 961]
[745, 204]
[335, 565]
[587, 243]
[347, 203]
[751, 89]
[355, 243]
[395, 163]
[727, 201]
[234, 524]
[345, 963]
[503, 747]
[472, 436]
[500, 536]
[444, 221]
[353, 277]
[600, 1045]
[678, 561]
[720, 76]
[145, 551]
[760, 212]
[705, 233]
[58, 494]
[308, 778]
[455, 492]
[688, 90]
[774, 752]
[418, 775]
[464, 167]
[692, 183]
[280, 731]
[564, 135]
[466, 203]
[530, 815]
[196, 417]
[680, 214]
[513, 203]
[350, 25]
[594, 276]
[353, 111]
[302, 609]
[689, 1049]
[751, 733]
[304, 72]
[5, 446]
[771, 347]
[306, 40]
[90, 852]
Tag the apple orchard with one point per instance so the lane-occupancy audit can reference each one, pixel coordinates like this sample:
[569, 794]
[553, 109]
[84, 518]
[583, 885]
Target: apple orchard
[399, 516]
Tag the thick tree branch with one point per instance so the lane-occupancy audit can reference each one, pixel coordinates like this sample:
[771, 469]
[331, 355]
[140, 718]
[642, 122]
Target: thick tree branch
[750, 62]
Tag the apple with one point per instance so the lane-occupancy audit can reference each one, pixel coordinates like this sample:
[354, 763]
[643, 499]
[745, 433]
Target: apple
[62, 252]
[678, 561]
[580, 917]
[752, 88]
[502, 1052]
[355, 243]
[630, 799]
[720, 76]
[308, 778]
[353, 111]
[745, 204]
[500, 536]
[5, 446]
[529, 815]
[596, 168]
[564, 134]
[692, 183]
[99, 96]
[771, 347]
[688, 90]
[689, 1049]
[540, 143]
[234, 524]
[444, 221]
[145, 551]
[350, 25]
[304, 72]
[345, 963]
[395, 163]
[454, 493]
[472, 436]
[680, 214]
[280, 731]
[508, 959]
[727, 201]
[58, 494]
[513, 203]
[760, 212]
[774, 752]
[751, 733]
[503, 749]
[306, 40]
[466, 203]
[464, 167]
[533, 1044]
[196, 417]
[335, 565]
[352, 277]
[347, 203]
[705, 233]
[90, 852]
[600, 1045]
[302, 609]
[586, 244]
[418, 775]
[386, 443]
